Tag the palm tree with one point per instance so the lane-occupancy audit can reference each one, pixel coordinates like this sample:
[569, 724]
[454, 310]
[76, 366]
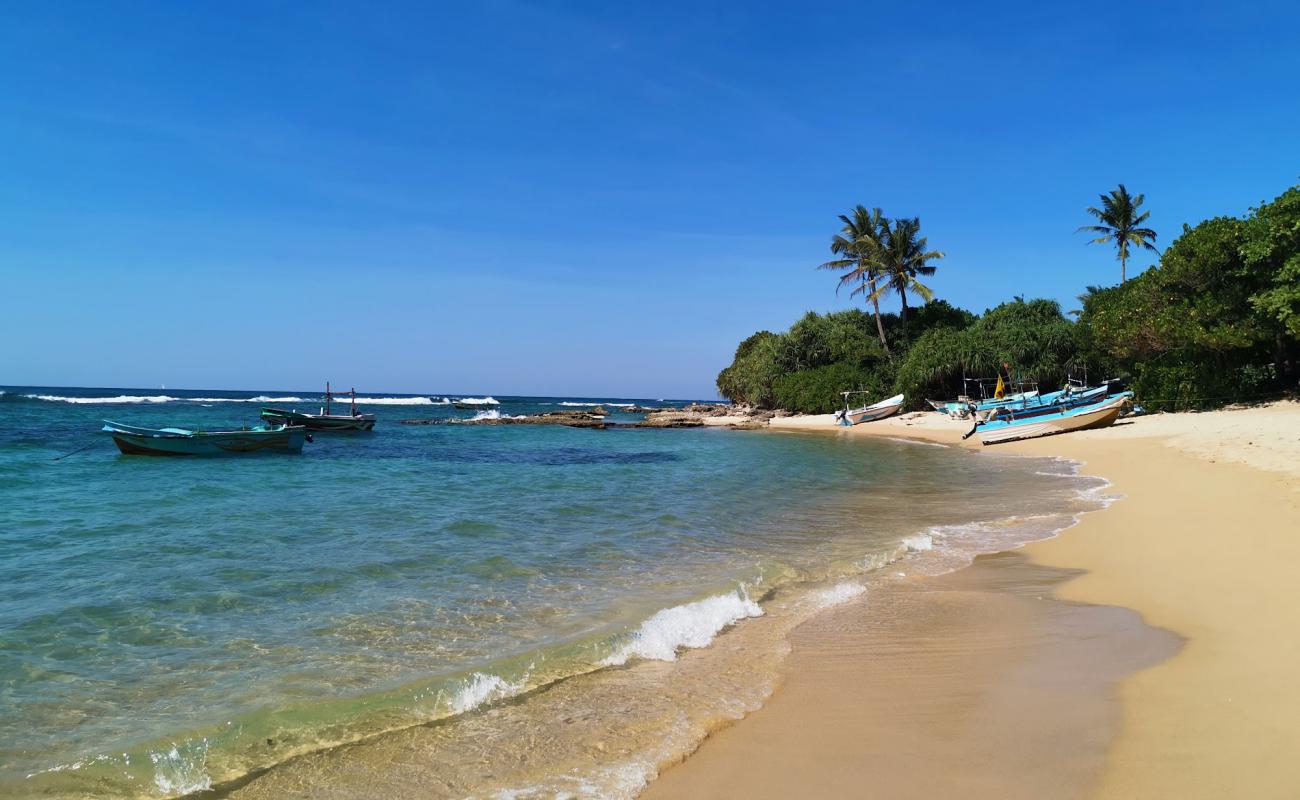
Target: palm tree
[1088, 292]
[858, 246]
[1120, 223]
[903, 257]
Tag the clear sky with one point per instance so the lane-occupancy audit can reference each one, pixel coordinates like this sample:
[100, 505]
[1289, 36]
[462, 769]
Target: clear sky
[578, 198]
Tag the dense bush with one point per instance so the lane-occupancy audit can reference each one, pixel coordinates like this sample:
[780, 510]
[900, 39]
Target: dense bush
[1033, 338]
[1218, 320]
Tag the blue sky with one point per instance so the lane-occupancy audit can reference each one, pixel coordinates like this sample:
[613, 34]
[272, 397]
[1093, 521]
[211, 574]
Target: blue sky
[585, 199]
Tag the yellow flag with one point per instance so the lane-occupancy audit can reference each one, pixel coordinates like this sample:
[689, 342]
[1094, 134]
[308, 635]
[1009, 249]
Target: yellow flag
[1001, 390]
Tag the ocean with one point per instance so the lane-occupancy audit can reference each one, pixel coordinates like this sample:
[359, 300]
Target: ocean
[494, 611]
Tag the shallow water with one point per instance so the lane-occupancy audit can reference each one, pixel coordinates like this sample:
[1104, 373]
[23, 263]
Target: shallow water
[170, 625]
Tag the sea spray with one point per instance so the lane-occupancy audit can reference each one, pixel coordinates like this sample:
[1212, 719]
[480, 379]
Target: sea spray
[181, 769]
[481, 688]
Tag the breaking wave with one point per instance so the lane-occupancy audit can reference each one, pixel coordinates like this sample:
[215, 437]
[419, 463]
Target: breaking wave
[691, 625]
[479, 401]
[398, 401]
[121, 398]
[481, 688]
[261, 398]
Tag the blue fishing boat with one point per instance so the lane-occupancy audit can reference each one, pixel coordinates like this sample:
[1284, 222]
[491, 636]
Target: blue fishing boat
[1048, 403]
[990, 396]
[1014, 425]
[132, 440]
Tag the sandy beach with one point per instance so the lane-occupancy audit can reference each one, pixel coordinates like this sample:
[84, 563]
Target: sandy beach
[1146, 652]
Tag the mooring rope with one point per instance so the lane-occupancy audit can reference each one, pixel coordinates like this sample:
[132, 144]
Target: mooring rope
[74, 452]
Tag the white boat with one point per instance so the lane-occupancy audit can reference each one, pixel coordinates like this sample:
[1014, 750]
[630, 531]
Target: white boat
[871, 413]
[1097, 415]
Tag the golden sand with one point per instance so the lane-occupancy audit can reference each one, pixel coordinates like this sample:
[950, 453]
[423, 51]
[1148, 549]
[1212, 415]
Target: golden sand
[1204, 544]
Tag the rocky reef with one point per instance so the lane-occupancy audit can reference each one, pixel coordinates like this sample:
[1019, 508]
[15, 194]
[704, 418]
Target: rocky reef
[695, 415]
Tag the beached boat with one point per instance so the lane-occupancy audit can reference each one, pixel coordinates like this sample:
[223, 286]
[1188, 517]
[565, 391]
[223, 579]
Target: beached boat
[324, 421]
[1048, 403]
[1028, 426]
[982, 395]
[181, 442]
[963, 407]
[871, 413]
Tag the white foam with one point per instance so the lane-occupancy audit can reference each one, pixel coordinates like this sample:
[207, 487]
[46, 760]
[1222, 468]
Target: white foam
[691, 625]
[918, 543]
[481, 688]
[261, 398]
[121, 398]
[881, 558]
[396, 401]
[479, 401]
[494, 414]
[182, 769]
[835, 595]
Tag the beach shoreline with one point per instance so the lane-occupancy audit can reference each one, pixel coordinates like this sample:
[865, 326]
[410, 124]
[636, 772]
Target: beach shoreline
[1211, 718]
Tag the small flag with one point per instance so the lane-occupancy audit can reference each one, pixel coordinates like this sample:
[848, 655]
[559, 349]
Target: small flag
[1000, 390]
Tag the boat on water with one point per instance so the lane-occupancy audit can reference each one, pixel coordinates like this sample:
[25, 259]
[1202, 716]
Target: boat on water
[472, 404]
[132, 440]
[1013, 425]
[324, 421]
[871, 413]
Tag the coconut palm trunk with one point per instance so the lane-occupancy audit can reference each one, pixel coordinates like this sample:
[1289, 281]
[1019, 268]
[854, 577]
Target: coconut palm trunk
[902, 313]
[903, 257]
[859, 250]
[880, 324]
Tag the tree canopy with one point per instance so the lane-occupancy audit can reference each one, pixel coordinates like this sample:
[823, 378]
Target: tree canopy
[1217, 320]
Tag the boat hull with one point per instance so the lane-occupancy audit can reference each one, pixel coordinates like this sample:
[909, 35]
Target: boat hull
[885, 408]
[1052, 403]
[323, 423]
[1100, 415]
[138, 442]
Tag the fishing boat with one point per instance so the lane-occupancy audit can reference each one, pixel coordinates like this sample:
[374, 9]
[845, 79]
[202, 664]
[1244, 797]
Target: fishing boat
[324, 421]
[1048, 403]
[990, 394]
[474, 403]
[1011, 426]
[182, 442]
[871, 413]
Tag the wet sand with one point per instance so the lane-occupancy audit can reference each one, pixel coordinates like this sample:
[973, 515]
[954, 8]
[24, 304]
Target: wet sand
[976, 684]
[1204, 545]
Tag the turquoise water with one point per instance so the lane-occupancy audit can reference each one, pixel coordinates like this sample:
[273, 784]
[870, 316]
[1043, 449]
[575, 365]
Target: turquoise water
[168, 625]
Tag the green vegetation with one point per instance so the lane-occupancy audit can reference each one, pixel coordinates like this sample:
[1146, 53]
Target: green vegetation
[1216, 321]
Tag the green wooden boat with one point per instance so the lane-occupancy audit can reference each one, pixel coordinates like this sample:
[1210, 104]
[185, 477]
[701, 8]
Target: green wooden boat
[132, 440]
[324, 421]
